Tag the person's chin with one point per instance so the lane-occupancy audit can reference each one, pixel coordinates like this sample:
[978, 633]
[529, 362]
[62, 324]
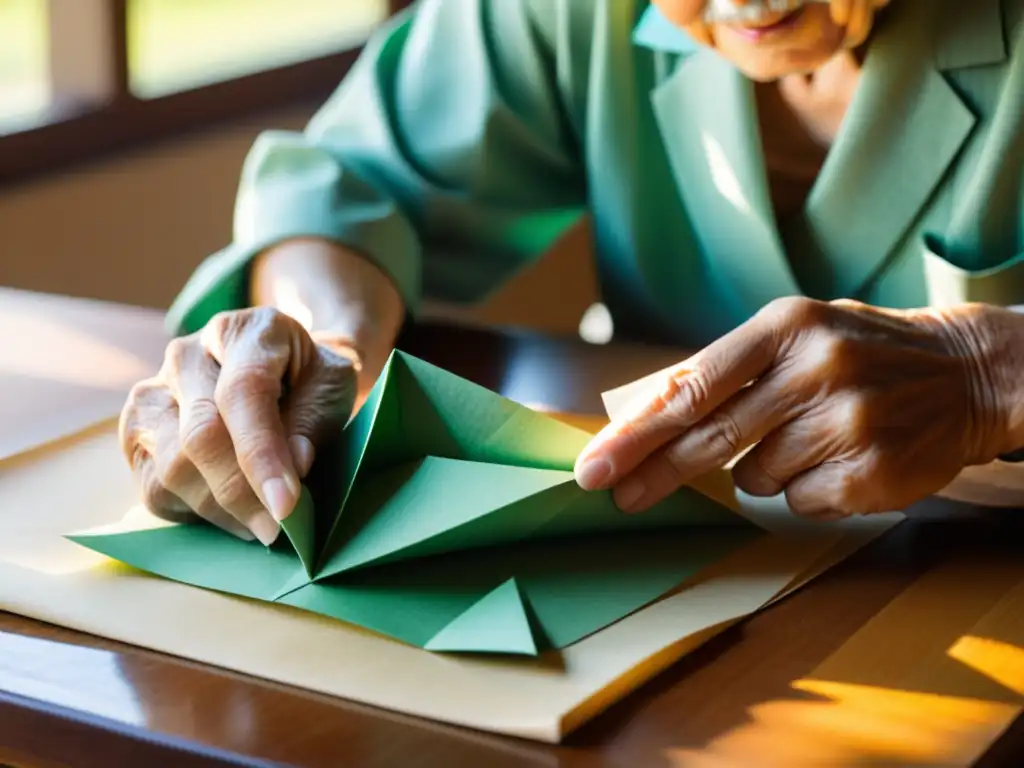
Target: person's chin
[768, 65]
[797, 50]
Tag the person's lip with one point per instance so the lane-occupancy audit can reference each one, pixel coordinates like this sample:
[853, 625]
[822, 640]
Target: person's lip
[782, 24]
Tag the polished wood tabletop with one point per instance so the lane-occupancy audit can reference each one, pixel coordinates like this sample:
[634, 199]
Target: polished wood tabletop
[72, 699]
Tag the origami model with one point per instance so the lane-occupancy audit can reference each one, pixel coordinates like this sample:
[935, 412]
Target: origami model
[460, 529]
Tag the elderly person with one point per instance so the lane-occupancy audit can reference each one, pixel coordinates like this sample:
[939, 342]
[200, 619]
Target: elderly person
[827, 200]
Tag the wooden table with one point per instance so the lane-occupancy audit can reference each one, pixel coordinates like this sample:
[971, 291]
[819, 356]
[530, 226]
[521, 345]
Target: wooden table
[94, 702]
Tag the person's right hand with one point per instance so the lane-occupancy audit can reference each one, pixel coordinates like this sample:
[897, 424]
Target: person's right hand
[230, 425]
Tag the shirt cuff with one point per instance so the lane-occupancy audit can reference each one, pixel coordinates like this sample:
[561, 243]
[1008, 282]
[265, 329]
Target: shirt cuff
[376, 231]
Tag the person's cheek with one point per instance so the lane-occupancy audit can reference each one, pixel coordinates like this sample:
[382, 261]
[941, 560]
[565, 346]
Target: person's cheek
[681, 12]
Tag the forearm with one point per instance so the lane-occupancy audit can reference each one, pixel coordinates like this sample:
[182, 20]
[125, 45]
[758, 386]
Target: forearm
[333, 291]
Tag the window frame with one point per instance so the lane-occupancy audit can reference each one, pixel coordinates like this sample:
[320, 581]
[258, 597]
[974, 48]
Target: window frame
[94, 114]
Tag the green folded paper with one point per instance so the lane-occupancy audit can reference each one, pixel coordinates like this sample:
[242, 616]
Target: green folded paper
[460, 529]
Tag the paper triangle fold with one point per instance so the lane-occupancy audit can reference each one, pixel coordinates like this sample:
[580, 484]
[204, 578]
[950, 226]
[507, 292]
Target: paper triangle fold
[300, 528]
[488, 427]
[442, 505]
[497, 623]
[417, 409]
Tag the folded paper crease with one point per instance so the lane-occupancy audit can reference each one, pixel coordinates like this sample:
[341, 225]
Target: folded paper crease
[461, 529]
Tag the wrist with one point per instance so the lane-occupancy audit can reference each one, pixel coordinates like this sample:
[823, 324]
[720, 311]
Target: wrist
[341, 298]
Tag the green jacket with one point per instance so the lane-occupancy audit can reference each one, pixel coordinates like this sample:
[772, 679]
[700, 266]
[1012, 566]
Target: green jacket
[472, 133]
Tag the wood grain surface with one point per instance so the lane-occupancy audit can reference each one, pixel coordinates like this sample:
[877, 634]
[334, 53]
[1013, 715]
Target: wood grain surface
[909, 653]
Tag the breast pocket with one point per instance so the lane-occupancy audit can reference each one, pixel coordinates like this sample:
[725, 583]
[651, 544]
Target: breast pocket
[948, 284]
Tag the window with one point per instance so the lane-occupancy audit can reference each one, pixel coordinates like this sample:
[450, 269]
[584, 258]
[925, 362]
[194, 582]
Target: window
[24, 81]
[178, 44]
[80, 78]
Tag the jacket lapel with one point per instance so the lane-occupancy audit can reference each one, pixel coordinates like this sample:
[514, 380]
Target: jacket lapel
[707, 118]
[904, 129]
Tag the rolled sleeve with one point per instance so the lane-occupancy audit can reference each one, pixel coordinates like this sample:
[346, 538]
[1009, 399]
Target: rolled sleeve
[445, 157]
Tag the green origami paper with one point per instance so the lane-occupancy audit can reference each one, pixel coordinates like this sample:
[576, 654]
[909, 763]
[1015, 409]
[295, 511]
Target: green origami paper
[461, 529]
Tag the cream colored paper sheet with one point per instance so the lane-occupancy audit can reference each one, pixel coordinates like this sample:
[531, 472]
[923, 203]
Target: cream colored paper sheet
[83, 482]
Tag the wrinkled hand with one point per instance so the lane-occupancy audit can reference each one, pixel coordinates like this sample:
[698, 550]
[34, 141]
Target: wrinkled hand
[855, 16]
[230, 425]
[850, 409]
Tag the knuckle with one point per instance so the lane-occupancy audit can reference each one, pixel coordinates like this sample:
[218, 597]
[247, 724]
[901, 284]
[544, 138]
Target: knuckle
[845, 492]
[685, 395]
[232, 492]
[254, 450]
[675, 464]
[756, 476]
[800, 505]
[244, 382]
[144, 393]
[834, 352]
[138, 415]
[323, 406]
[176, 354]
[848, 304]
[173, 469]
[795, 311]
[855, 413]
[224, 320]
[203, 433]
[727, 437]
[156, 497]
[719, 440]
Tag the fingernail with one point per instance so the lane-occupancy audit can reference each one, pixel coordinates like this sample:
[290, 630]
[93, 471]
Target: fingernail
[279, 498]
[303, 454]
[593, 474]
[628, 494]
[266, 529]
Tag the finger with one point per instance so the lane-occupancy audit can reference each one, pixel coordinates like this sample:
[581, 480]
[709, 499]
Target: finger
[783, 454]
[149, 404]
[691, 392]
[155, 497]
[712, 443]
[145, 406]
[212, 482]
[859, 24]
[191, 499]
[254, 362]
[840, 11]
[319, 404]
[176, 472]
[829, 491]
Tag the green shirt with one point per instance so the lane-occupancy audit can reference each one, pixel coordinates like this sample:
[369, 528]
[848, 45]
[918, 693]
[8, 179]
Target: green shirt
[472, 133]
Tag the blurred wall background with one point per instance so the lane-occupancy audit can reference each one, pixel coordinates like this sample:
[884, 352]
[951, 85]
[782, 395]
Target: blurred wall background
[131, 226]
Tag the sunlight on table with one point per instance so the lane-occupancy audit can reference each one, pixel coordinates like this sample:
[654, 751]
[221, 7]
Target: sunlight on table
[852, 725]
[88, 485]
[41, 348]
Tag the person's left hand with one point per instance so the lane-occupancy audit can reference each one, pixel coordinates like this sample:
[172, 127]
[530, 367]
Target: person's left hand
[851, 409]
